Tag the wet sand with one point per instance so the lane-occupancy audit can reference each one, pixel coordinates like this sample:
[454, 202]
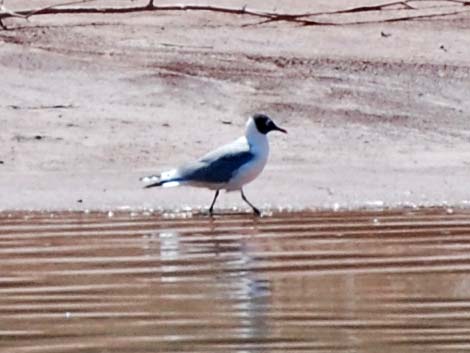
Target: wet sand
[388, 281]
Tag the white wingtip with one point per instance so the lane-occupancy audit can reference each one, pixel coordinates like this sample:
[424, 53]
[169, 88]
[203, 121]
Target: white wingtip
[171, 184]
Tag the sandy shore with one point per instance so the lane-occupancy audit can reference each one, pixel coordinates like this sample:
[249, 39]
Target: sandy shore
[377, 113]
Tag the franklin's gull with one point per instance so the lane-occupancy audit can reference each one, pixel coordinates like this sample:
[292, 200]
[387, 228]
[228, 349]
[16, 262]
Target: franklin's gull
[229, 167]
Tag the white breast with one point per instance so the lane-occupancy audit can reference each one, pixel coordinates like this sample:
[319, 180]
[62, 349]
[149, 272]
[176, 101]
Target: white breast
[259, 146]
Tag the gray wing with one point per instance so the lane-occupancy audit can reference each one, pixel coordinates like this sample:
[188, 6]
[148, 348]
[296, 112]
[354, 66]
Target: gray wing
[215, 167]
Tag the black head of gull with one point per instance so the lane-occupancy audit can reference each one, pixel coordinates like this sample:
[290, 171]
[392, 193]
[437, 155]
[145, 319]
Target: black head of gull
[264, 124]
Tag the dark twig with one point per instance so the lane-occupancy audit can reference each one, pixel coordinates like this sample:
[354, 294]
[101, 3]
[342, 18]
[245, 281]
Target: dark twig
[419, 17]
[406, 18]
[35, 12]
[408, 6]
[53, 10]
[371, 8]
[55, 106]
[5, 12]
[360, 9]
[304, 19]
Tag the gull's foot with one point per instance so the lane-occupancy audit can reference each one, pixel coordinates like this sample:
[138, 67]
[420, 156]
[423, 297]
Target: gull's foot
[256, 212]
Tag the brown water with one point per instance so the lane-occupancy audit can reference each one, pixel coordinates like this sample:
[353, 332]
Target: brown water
[302, 282]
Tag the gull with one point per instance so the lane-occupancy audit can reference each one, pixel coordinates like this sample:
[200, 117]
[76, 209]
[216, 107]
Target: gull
[228, 167]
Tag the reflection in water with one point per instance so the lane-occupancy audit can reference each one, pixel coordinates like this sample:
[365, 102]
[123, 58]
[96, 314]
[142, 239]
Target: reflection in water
[229, 290]
[169, 252]
[251, 299]
[310, 282]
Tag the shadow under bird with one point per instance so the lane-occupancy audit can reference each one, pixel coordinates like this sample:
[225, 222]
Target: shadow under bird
[229, 167]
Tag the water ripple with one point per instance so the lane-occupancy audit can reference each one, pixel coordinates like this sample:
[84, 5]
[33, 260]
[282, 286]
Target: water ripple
[389, 281]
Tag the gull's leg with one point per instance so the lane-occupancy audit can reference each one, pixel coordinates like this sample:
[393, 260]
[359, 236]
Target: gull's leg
[255, 210]
[213, 202]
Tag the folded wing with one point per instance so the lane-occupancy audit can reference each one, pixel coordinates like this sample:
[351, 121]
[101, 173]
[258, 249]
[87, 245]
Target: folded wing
[215, 169]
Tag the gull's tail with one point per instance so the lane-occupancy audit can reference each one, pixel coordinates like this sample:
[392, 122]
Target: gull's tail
[166, 179]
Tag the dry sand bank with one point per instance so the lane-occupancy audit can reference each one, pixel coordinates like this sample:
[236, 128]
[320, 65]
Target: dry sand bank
[89, 103]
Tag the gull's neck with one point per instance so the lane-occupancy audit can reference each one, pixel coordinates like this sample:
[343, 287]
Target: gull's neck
[258, 142]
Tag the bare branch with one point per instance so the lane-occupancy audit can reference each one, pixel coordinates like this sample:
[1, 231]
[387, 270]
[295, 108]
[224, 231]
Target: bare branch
[1, 23]
[5, 12]
[305, 19]
[34, 12]
[406, 5]
[418, 17]
[402, 19]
